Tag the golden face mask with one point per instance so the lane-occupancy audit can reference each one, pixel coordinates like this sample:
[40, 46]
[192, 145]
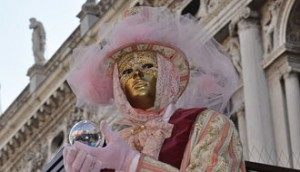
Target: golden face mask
[138, 75]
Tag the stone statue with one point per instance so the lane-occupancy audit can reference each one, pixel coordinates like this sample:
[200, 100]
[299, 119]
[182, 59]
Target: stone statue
[203, 11]
[270, 25]
[213, 4]
[38, 40]
[206, 7]
[88, 5]
[233, 47]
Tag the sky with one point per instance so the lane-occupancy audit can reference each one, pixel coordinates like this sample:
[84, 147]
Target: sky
[59, 20]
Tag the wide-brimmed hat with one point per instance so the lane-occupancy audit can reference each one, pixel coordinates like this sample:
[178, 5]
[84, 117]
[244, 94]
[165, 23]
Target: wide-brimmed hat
[207, 76]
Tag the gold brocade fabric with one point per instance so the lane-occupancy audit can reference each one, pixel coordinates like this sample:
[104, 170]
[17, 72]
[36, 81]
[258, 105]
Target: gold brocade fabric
[214, 146]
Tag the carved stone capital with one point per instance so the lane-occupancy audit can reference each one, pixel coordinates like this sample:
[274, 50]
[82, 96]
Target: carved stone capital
[245, 24]
[249, 13]
[246, 18]
[288, 73]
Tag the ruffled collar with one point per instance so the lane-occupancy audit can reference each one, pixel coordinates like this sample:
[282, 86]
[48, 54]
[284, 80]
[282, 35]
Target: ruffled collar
[148, 137]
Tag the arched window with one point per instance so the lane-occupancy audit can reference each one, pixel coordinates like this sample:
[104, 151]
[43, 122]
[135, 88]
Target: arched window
[57, 141]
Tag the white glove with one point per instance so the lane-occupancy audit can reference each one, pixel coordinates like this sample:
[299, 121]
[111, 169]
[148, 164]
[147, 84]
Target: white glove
[115, 155]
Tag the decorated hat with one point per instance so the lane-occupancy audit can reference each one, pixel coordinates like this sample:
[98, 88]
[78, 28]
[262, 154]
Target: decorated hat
[207, 76]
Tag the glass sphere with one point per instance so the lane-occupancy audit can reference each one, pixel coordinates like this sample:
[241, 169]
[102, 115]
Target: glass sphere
[86, 132]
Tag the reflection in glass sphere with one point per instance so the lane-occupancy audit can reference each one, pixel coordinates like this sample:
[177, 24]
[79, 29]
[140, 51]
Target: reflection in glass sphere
[86, 132]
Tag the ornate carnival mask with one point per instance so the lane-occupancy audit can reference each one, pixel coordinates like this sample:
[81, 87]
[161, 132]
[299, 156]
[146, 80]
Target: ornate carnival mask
[138, 76]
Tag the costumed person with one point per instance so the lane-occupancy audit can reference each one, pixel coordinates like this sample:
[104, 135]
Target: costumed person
[171, 82]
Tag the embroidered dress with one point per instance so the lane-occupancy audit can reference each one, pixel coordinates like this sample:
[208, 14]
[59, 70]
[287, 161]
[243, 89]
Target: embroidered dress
[213, 145]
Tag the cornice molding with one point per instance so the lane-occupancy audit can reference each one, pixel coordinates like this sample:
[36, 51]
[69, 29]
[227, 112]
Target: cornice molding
[285, 49]
[37, 121]
[227, 12]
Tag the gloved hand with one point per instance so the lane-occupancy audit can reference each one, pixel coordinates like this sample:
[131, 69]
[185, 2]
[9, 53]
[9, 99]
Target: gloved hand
[116, 155]
[78, 160]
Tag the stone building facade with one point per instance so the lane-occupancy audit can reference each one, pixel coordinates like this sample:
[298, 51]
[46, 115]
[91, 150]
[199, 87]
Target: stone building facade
[263, 38]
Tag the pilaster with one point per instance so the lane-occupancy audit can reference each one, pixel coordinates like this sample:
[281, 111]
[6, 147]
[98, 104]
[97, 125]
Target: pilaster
[292, 89]
[243, 132]
[260, 134]
[279, 115]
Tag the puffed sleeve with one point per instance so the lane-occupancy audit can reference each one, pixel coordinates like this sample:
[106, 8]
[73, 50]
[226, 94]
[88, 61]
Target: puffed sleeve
[214, 145]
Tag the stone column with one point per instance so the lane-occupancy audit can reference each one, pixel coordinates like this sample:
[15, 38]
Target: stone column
[257, 107]
[37, 75]
[280, 119]
[243, 133]
[292, 89]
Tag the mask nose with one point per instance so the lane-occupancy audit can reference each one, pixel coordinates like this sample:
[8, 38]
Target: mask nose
[138, 73]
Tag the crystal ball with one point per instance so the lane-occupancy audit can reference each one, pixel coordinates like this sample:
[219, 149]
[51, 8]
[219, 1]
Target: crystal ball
[86, 132]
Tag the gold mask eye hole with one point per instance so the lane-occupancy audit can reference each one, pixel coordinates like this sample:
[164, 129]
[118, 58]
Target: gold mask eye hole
[147, 66]
[127, 71]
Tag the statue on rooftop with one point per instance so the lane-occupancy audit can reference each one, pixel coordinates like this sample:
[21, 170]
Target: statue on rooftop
[38, 40]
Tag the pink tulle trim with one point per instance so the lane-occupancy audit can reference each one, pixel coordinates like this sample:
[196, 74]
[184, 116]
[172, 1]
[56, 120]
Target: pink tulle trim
[212, 78]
